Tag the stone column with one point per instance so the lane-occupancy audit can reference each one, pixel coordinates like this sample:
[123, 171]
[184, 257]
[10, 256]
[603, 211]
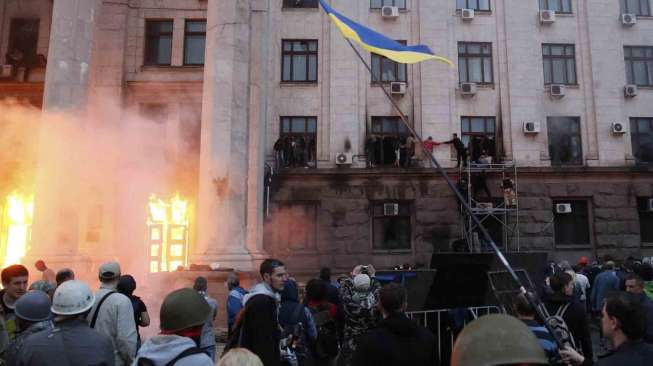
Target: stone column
[224, 196]
[55, 233]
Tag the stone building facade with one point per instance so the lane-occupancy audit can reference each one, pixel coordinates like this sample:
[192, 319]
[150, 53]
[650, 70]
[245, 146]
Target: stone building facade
[275, 68]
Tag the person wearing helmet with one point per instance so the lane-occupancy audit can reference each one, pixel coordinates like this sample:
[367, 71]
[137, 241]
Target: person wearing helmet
[182, 317]
[359, 294]
[71, 341]
[32, 316]
[113, 315]
[497, 339]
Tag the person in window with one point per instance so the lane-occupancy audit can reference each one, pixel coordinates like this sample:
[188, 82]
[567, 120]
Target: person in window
[370, 150]
[300, 151]
[312, 150]
[489, 146]
[475, 149]
[288, 159]
[396, 147]
[278, 152]
[410, 144]
[479, 182]
[461, 150]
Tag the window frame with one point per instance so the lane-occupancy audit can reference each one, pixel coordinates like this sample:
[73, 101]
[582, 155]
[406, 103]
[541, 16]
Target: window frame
[285, 5]
[148, 36]
[11, 38]
[476, 9]
[635, 136]
[396, 65]
[279, 241]
[393, 4]
[398, 132]
[629, 62]
[625, 9]
[471, 134]
[466, 56]
[409, 208]
[568, 134]
[642, 211]
[187, 34]
[588, 215]
[307, 54]
[305, 134]
[566, 58]
[546, 5]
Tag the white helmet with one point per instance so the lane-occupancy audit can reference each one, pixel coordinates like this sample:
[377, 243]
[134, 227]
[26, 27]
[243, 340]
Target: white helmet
[72, 298]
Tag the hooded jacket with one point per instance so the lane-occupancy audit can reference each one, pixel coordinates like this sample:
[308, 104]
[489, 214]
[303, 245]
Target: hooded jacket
[162, 349]
[260, 324]
[397, 341]
[289, 305]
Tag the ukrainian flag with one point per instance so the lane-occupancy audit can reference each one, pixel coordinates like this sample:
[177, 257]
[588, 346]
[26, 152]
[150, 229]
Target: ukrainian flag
[380, 44]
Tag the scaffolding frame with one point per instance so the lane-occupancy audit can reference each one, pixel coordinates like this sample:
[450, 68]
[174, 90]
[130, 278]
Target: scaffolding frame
[505, 213]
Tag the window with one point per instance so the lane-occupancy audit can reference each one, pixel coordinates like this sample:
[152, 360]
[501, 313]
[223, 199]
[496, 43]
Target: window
[158, 42]
[480, 5]
[298, 139]
[385, 70]
[479, 134]
[645, 219]
[560, 6]
[572, 228]
[194, 42]
[475, 63]
[378, 4]
[637, 7]
[299, 61]
[391, 226]
[559, 64]
[23, 38]
[389, 132]
[295, 225]
[641, 136]
[300, 3]
[564, 140]
[639, 65]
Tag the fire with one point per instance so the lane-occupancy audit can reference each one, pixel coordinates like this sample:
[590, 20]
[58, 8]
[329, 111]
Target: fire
[16, 227]
[167, 224]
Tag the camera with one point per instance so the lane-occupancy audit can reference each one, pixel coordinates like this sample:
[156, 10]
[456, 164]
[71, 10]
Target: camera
[365, 270]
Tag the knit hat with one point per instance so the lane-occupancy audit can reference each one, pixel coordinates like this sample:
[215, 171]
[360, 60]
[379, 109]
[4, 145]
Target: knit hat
[362, 282]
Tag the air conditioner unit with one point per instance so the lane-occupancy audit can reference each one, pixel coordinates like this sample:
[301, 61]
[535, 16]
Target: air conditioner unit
[618, 128]
[6, 71]
[485, 205]
[630, 91]
[563, 208]
[532, 127]
[557, 90]
[390, 209]
[467, 14]
[398, 88]
[344, 158]
[649, 207]
[547, 16]
[467, 89]
[628, 20]
[389, 12]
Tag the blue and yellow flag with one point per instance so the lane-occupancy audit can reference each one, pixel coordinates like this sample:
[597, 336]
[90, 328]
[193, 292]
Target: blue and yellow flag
[380, 44]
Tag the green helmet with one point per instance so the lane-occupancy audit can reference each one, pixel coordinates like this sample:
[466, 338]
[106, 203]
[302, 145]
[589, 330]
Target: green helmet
[497, 339]
[183, 308]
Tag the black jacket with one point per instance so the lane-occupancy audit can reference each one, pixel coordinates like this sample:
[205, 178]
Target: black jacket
[261, 328]
[397, 341]
[576, 319]
[632, 353]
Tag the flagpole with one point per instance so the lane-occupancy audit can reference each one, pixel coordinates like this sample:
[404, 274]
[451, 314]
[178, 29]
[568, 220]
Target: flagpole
[444, 174]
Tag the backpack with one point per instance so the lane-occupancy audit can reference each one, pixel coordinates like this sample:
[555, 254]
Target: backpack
[559, 327]
[326, 345]
[293, 348]
[189, 352]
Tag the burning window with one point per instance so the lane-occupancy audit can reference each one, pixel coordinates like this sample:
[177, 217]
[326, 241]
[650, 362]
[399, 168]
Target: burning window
[167, 224]
[15, 227]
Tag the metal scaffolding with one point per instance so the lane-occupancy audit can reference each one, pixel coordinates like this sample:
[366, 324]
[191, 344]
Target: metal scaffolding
[493, 212]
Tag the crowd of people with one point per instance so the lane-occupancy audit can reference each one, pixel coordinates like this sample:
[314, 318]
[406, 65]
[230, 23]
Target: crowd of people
[353, 320]
[293, 151]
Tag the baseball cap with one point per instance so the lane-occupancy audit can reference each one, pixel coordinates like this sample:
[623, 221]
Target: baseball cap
[109, 270]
